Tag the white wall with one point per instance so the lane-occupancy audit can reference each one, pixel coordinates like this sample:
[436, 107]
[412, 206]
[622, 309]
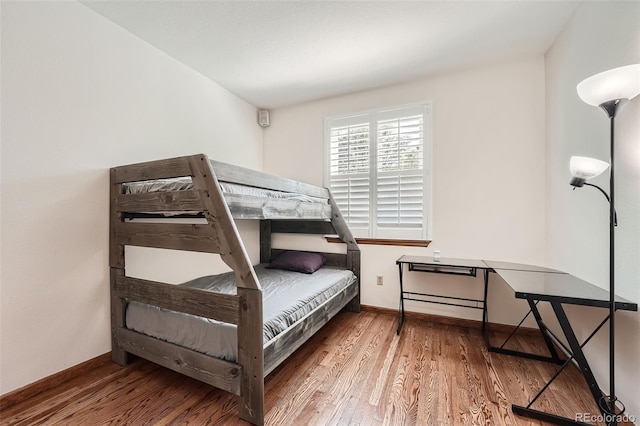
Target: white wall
[600, 36]
[488, 172]
[80, 95]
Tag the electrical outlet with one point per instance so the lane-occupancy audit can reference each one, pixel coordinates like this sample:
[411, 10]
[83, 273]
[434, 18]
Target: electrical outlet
[379, 281]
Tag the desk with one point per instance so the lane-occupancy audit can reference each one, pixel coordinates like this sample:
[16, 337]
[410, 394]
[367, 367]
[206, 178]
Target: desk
[560, 289]
[534, 284]
[463, 267]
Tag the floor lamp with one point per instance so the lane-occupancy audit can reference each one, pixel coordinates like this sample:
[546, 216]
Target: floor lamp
[607, 90]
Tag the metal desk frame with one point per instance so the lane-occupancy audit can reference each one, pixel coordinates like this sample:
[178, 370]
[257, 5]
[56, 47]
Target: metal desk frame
[572, 351]
[462, 267]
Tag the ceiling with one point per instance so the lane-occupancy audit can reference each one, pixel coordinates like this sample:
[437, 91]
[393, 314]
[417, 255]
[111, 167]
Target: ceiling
[278, 53]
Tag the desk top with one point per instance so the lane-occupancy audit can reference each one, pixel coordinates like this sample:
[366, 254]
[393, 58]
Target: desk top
[534, 282]
[429, 260]
[473, 263]
[559, 287]
[495, 265]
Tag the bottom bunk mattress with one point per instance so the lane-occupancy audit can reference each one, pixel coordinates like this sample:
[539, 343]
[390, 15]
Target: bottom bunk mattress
[287, 298]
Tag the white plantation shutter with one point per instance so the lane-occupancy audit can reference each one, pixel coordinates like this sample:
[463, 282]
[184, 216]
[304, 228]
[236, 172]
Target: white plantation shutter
[350, 162]
[377, 171]
[352, 196]
[400, 176]
[400, 201]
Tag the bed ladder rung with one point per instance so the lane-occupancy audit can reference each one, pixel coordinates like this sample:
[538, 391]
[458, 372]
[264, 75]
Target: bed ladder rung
[160, 169]
[208, 304]
[216, 372]
[174, 236]
[155, 202]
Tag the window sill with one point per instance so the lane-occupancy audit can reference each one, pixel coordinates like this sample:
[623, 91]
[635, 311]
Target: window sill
[382, 241]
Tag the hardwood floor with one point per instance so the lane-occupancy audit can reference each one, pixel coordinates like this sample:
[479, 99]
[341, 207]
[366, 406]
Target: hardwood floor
[355, 371]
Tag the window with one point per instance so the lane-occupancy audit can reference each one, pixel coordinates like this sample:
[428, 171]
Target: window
[377, 168]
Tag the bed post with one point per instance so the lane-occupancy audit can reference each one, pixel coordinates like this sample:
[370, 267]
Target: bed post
[116, 264]
[265, 241]
[353, 263]
[251, 356]
[250, 326]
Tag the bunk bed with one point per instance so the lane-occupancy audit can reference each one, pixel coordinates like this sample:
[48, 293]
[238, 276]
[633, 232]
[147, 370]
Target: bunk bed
[220, 193]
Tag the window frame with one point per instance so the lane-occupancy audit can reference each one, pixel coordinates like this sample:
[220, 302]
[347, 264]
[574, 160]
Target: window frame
[374, 231]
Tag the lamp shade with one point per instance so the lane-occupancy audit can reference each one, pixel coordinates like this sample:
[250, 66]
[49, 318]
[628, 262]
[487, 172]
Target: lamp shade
[617, 83]
[586, 168]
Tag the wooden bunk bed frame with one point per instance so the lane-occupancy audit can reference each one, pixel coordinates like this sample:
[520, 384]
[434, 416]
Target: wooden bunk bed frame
[255, 360]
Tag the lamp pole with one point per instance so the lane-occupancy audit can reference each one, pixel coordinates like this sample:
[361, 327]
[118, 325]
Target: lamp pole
[608, 90]
[611, 107]
[612, 268]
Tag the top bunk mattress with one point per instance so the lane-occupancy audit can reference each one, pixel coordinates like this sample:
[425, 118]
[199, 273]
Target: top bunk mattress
[287, 298]
[246, 202]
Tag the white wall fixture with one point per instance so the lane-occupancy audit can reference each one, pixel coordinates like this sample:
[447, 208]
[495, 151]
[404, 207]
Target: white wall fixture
[263, 118]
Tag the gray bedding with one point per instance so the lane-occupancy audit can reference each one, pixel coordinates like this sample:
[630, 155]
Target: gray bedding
[287, 297]
[246, 202]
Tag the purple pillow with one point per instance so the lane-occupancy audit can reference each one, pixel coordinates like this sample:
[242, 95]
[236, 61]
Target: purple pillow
[298, 261]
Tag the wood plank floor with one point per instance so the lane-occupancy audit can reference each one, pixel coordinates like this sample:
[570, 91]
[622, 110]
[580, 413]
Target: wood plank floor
[355, 371]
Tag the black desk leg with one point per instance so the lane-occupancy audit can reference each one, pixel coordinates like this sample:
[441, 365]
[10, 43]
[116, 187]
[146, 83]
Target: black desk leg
[485, 311]
[501, 349]
[542, 326]
[401, 309]
[578, 355]
[545, 417]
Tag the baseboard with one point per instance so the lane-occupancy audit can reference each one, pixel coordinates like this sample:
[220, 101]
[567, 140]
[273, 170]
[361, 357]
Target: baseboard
[461, 322]
[28, 391]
